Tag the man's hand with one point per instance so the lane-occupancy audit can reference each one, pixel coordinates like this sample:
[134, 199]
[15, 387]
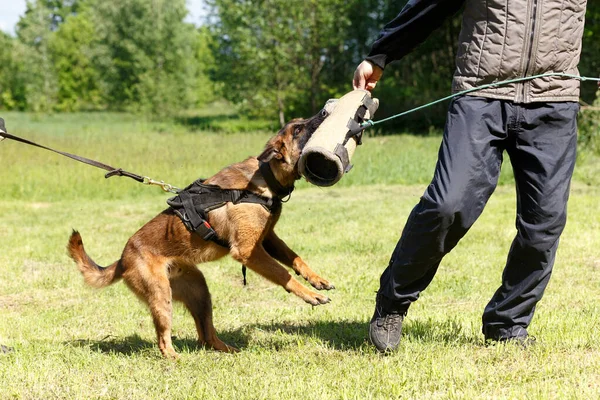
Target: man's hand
[366, 76]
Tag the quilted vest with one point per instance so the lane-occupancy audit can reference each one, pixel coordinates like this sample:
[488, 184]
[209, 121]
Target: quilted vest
[506, 39]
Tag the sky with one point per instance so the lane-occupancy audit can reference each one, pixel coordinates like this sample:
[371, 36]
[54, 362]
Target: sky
[12, 10]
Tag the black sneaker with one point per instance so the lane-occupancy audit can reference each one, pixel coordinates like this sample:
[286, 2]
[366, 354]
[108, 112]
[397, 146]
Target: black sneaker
[385, 328]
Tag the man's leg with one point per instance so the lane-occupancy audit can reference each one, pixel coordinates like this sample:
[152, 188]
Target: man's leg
[543, 157]
[466, 174]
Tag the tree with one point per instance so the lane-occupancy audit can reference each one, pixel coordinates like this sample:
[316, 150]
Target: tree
[33, 31]
[12, 74]
[72, 49]
[147, 55]
[272, 53]
[590, 52]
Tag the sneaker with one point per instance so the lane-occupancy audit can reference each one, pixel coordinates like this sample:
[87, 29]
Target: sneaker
[385, 328]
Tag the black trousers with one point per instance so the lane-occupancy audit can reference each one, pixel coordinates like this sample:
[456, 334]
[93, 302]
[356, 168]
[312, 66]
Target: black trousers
[540, 139]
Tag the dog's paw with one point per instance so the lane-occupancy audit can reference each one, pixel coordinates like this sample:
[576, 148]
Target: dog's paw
[170, 354]
[317, 299]
[320, 283]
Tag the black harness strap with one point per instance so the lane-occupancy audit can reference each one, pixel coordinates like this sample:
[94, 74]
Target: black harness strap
[193, 203]
[274, 186]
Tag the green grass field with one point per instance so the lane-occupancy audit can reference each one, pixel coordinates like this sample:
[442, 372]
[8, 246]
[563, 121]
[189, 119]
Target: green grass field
[73, 342]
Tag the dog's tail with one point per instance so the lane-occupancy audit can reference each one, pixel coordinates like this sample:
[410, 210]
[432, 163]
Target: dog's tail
[93, 274]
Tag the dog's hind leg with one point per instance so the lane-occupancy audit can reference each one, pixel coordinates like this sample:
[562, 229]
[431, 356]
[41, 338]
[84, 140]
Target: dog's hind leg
[148, 279]
[280, 251]
[189, 286]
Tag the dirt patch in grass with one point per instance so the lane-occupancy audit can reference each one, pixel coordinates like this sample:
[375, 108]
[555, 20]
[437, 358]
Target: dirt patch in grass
[15, 302]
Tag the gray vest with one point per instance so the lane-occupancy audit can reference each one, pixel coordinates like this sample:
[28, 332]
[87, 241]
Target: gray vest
[506, 39]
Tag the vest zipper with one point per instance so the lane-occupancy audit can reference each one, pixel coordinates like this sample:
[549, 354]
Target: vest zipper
[532, 33]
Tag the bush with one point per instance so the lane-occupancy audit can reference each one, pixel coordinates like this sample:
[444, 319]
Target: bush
[589, 127]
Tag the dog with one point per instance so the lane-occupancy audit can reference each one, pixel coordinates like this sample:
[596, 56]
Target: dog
[159, 261]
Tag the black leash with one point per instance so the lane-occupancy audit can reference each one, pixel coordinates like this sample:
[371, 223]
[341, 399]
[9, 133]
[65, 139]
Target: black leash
[112, 171]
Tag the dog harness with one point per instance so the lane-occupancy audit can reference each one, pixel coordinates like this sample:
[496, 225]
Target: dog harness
[193, 203]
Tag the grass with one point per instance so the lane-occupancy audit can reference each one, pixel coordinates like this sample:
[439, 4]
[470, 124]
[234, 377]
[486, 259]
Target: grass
[73, 342]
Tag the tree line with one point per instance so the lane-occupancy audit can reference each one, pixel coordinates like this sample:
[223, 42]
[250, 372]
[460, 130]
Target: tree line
[277, 59]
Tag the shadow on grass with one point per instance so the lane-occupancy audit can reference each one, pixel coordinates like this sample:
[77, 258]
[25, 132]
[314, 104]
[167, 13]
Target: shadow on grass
[338, 335]
[130, 345]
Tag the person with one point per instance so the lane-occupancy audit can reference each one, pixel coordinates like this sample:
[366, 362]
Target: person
[533, 121]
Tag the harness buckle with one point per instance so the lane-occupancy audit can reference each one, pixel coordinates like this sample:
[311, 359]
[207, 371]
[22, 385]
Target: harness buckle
[237, 195]
[206, 231]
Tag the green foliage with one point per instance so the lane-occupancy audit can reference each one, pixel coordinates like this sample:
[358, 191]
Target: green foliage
[589, 127]
[589, 118]
[204, 62]
[148, 55]
[121, 55]
[34, 31]
[589, 64]
[72, 49]
[290, 57]
[273, 53]
[12, 74]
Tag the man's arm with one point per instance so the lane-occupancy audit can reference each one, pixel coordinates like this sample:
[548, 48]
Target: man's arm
[410, 28]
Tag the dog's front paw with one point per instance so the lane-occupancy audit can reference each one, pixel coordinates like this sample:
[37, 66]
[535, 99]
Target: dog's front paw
[317, 299]
[320, 283]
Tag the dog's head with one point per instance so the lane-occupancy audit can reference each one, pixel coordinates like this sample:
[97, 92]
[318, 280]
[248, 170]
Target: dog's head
[286, 147]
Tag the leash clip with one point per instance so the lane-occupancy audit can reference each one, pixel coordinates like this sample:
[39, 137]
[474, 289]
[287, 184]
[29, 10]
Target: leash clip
[164, 186]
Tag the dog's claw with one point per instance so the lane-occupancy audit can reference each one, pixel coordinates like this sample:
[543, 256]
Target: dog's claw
[318, 299]
[321, 284]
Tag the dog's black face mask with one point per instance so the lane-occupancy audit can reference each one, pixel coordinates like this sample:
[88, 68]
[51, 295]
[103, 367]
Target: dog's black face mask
[310, 126]
[287, 145]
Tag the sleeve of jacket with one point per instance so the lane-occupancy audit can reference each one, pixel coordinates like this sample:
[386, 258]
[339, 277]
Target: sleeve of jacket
[410, 28]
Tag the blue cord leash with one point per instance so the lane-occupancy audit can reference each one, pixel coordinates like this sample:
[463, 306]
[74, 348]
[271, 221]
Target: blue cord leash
[370, 123]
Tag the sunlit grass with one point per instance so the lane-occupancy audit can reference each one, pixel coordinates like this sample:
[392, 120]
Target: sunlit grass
[71, 341]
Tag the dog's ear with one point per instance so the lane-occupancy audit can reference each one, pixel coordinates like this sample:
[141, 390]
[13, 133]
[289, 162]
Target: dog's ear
[275, 148]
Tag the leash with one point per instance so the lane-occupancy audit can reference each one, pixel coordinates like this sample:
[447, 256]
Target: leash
[112, 171]
[369, 123]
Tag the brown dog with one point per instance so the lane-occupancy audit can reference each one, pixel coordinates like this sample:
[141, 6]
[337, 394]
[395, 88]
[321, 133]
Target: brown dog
[159, 261]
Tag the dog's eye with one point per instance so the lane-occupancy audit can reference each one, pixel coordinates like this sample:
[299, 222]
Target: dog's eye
[297, 130]
[324, 113]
